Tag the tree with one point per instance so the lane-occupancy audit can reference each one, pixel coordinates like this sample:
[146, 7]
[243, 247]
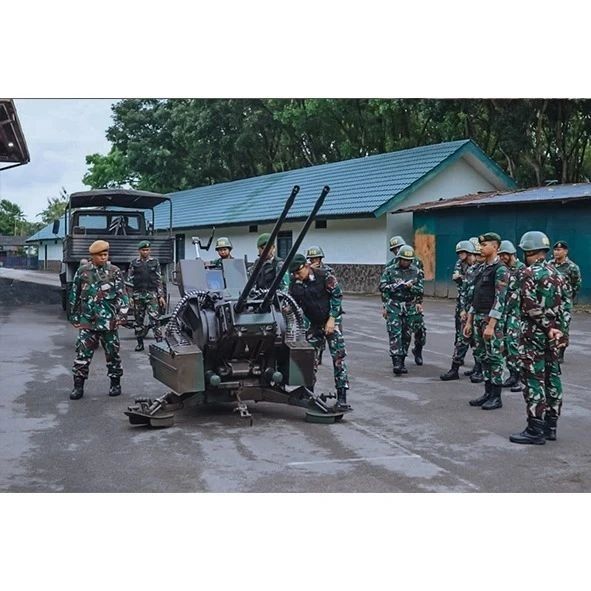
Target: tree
[56, 206]
[11, 218]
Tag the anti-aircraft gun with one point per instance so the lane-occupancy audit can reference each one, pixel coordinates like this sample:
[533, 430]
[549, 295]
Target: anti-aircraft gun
[227, 341]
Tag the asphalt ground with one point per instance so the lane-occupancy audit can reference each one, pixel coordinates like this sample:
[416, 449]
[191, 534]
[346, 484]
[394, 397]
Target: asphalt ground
[410, 433]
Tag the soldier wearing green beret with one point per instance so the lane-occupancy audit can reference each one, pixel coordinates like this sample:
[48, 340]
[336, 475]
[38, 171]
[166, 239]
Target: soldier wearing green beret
[320, 297]
[270, 267]
[572, 274]
[145, 280]
[98, 306]
[485, 319]
[223, 247]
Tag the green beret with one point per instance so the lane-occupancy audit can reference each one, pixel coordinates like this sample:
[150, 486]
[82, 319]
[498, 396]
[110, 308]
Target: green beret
[299, 260]
[263, 239]
[489, 237]
[144, 244]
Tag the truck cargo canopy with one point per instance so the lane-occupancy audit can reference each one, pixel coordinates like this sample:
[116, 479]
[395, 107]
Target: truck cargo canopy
[117, 197]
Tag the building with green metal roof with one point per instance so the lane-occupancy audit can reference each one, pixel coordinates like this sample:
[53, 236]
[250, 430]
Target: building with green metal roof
[354, 224]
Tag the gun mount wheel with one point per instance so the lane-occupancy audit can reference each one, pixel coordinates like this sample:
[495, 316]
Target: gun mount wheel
[316, 416]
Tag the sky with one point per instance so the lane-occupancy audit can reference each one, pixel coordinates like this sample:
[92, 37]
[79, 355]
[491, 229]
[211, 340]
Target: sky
[60, 133]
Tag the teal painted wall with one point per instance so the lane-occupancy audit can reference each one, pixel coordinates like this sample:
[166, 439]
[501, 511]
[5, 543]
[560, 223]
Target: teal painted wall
[570, 222]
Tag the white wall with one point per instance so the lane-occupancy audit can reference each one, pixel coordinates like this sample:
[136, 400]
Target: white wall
[460, 178]
[55, 252]
[360, 241]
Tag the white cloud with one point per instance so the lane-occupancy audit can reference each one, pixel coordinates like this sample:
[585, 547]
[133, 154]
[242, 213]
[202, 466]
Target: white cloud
[60, 133]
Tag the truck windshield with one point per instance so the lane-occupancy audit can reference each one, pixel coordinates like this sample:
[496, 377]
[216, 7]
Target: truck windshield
[116, 224]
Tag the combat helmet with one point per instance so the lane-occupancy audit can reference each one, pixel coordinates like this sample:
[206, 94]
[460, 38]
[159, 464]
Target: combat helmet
[534, 240]
[465, 246]
[314, 252]
[406, 252]
[396, 241]
[507, 247]
[223, 242]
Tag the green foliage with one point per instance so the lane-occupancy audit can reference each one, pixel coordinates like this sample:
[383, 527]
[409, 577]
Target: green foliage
[56, 206]
[171, 145]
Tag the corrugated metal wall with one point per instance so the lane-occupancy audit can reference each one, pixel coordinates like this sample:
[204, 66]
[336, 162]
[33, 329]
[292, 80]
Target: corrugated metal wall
[560, 221]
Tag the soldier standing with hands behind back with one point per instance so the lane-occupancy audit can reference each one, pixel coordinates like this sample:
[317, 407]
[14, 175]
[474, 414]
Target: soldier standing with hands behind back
[98, 306]
[145, 279]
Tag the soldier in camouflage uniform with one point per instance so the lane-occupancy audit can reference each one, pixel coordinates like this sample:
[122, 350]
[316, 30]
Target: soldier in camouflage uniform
[320, 297]
[485, 319]
[572, 274]
[223, 247]
[465, 251]
[98, 305]
[420, 330]
[315, 256]
[145, 280]
[544, 297]
[401, 285]
[270, 267]
[512, 321]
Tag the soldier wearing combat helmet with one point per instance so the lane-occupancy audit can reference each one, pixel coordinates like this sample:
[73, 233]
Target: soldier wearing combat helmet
[223, 247]
[544, 297]
[270, 267]
[98, 305]
[315, 256]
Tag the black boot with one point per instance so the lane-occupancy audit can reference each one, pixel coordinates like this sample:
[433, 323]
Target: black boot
[533, 433]
[140, 344]
[550, 423]
[404, 370]
[470, 372]
[518, 387]
[418, 353]
[494, 400]
[477, 377]
[397, 364]
[342, 400]
[512, 380]
[78, 390]
[115, 389]
[452, 374]
[487, 393]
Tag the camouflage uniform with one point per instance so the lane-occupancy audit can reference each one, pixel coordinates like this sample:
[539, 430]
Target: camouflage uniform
[402, 316]
[490, 352]
[544, 300]
[572, 284]
[513, 317]
[96, 301]
[145, 279]
[268, 273]
[320, 297]
[460, 343]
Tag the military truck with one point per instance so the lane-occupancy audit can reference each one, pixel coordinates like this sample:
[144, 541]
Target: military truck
[123, 218]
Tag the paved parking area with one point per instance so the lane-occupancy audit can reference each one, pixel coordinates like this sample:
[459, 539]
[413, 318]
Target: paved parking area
[410, 433]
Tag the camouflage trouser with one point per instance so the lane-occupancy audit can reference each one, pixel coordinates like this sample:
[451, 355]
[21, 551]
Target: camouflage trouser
[88, 342]
[565, 328]
[336, 345]
[146, 301]
[489, 353]
[512, 334]
[461, 343]
[539, 373]
[403, 320]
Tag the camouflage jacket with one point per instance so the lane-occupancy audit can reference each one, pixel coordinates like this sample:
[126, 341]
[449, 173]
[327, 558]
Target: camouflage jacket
[97, 297]
[418, 264]
[513, 303]
[501, 282]
[391, 283]
[572, 274]
[466, 290]
[542, 292]
[145, 275]
[459, 272]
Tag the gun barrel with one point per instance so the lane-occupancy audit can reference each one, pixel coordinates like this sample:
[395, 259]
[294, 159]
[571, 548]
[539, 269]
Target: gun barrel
[239, 306]
[294, 249]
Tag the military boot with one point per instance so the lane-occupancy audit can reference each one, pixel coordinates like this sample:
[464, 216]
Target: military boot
[418, 353]
[512, 380]
[470, 372]
[115, 389]
[477, 377]
[403, 370]
[532, 434]
[518, 387]
[452, 374]
[140, 344]
[78, 390]
[487, 393]
[494, 400]
[550, 422]
[342, 400]
[397, 364]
